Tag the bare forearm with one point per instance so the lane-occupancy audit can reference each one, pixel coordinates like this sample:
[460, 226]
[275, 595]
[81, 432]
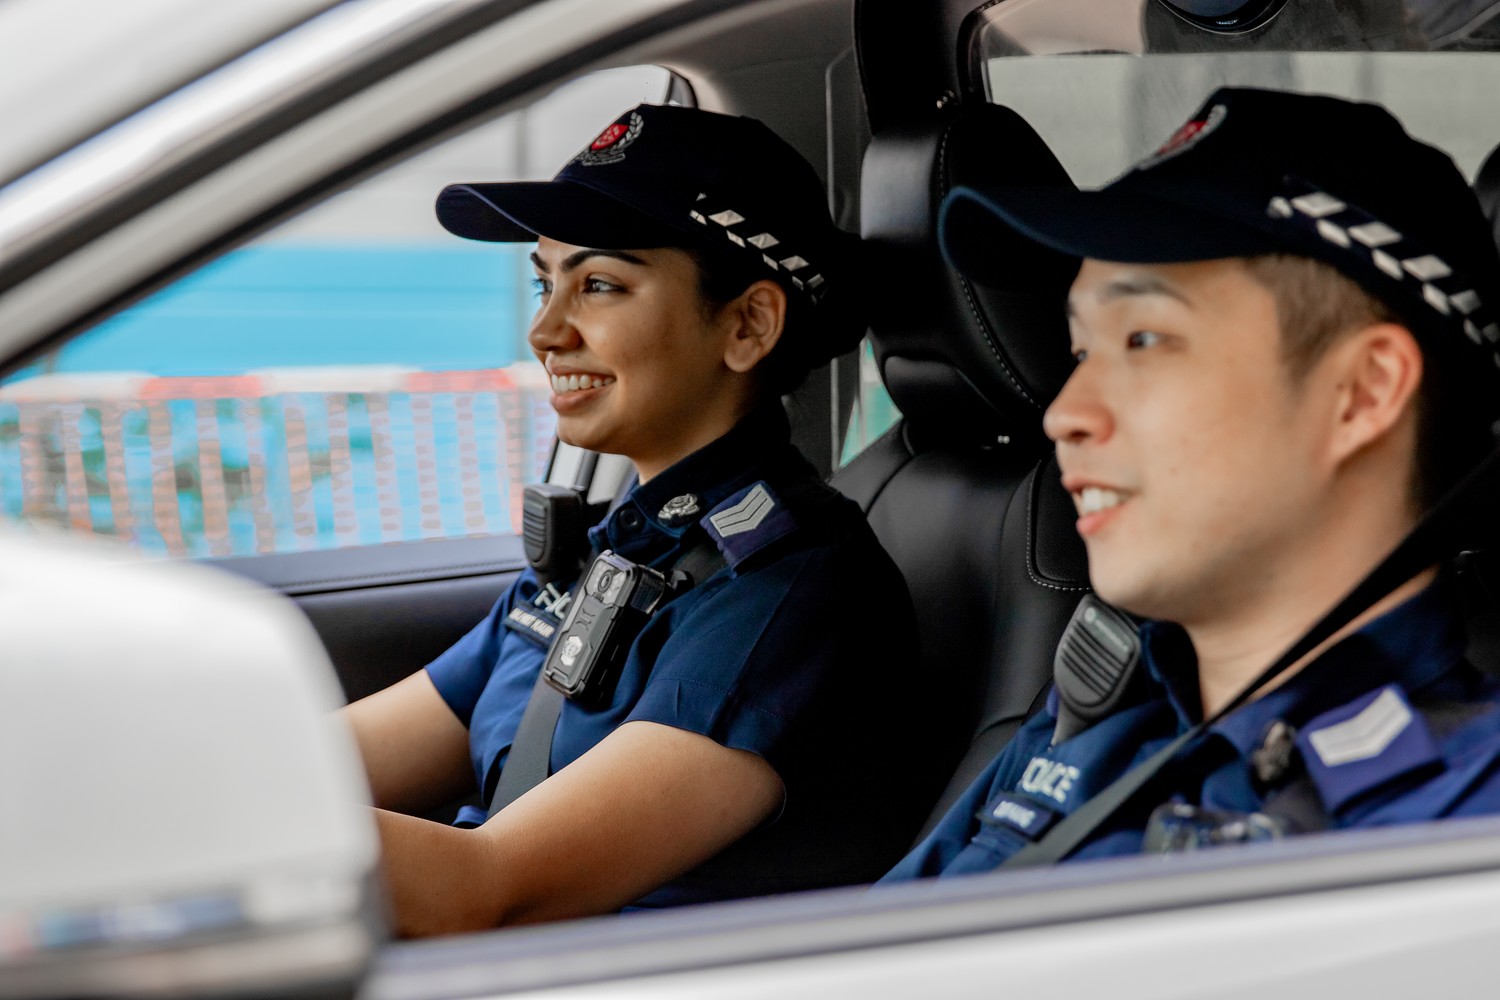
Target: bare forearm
[415, 751]
[446, 880]
[645, 805]
[438, 877]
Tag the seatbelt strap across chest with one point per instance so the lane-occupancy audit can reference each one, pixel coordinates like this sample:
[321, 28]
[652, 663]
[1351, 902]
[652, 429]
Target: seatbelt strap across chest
[529, 762]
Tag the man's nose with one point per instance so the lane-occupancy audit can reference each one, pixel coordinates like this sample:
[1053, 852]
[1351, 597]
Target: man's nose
[1078, 414]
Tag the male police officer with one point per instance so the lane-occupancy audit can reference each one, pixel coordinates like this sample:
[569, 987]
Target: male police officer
[1284, 323]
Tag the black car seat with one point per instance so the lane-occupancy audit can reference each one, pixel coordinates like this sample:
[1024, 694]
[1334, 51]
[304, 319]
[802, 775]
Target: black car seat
[963, 491]
[1479, 571]
[1487, 187]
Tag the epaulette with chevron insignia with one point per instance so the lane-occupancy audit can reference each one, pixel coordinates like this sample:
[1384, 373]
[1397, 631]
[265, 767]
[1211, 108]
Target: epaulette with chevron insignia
[747, 522]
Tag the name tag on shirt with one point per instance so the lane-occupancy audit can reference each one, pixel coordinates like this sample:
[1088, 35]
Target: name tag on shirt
[1018, 814]
[540, 618]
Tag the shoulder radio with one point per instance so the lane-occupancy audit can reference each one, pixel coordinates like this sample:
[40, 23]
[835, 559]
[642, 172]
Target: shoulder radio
[1095, 666]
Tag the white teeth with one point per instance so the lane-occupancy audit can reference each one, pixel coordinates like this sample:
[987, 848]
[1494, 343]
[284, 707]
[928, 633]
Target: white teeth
[572, 383]
[1096, 498]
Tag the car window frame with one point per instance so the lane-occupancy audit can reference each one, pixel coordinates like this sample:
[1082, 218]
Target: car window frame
[416, 51]
[212, 49]
[760, 937]
[757, 932]
[446, 50]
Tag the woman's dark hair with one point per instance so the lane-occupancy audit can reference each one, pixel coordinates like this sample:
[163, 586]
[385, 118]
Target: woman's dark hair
[812, 335]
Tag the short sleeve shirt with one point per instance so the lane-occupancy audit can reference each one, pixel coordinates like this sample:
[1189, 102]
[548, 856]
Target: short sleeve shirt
[1391, 725]
[800, 650]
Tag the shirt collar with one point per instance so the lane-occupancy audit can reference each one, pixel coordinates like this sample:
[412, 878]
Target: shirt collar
[1412, 645]
[698, 482]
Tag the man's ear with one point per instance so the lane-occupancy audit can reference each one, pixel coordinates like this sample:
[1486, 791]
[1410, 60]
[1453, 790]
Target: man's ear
[757, 319]
[1380, 371]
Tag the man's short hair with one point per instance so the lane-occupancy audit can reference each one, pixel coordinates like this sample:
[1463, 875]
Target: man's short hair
[1316, 307]
[1259, 172]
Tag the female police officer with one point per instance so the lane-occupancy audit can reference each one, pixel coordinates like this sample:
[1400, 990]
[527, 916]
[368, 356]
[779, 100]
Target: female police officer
[688, 274]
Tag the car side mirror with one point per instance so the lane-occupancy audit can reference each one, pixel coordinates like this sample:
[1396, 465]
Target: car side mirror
[180, 812]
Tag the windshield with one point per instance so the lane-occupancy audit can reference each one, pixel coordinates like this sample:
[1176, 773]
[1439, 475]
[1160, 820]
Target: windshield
[59, 84]
[1054, 27]
[1107, 89]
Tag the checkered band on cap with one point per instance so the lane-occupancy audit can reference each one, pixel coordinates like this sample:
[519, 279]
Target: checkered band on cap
[774, 254]
[1411, 267]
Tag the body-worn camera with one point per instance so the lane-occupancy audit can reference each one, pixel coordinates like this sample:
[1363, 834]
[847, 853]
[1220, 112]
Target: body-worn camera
[611, 606]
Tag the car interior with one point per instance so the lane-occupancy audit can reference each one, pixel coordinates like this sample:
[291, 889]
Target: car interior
[969, 367]
[895, 109]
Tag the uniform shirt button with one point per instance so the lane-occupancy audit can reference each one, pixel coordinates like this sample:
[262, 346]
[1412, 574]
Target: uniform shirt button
[630, 519]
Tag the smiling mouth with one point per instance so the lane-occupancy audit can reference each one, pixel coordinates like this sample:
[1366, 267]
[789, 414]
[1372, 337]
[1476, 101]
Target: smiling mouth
[1093, 499]
[575, 383]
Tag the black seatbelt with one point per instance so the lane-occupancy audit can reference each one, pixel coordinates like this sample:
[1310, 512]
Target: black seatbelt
[529, 762]
[1442, 530]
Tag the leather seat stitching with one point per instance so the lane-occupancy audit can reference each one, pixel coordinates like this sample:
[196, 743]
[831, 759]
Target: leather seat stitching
[984, 327]
[1032, 570]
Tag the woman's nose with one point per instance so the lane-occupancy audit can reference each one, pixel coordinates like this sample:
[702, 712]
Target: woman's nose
[1078, 414]
[551, 328]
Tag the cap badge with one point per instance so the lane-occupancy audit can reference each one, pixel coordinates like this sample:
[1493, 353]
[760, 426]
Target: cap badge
[608, 137]
[610, 145]
[678, 509]
[1189, 135]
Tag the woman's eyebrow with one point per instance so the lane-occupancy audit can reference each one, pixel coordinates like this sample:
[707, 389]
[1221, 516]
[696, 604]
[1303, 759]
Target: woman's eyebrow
[577, 257]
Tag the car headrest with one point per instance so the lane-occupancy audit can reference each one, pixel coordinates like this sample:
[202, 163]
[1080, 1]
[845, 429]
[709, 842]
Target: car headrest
[962, 360]
[1487, 187]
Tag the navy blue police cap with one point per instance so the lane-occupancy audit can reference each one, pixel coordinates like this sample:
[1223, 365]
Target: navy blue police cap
[1256, 172]
[667, 176]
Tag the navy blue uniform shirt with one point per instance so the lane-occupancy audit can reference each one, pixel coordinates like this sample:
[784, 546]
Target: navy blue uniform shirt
[799, 650]
[1391, 725]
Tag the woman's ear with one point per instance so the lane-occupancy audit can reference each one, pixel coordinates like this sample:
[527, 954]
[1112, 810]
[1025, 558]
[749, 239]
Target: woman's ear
[1380, 373]
[758, 318]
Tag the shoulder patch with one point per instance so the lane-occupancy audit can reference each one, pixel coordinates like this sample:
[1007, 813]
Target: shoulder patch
[1366, 734]
[1360, 746]
[747, 522]
[746, 515]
